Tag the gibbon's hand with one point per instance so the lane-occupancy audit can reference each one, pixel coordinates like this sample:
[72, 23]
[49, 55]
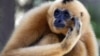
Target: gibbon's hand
[75, 29]
[72, 36]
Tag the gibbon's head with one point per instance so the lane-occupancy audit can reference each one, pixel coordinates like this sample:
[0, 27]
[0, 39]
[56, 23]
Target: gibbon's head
[60, 13]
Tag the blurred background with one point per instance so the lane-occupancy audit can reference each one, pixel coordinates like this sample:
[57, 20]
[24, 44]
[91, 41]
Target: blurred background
[11, 12]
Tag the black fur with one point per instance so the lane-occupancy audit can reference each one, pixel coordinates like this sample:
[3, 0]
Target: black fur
[64, 1]
[81, 14]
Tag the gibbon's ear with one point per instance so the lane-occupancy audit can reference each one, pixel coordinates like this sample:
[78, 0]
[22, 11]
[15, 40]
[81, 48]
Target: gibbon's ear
[64, 1]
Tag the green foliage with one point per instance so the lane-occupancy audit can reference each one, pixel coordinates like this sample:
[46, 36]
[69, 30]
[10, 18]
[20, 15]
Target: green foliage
[95, 19]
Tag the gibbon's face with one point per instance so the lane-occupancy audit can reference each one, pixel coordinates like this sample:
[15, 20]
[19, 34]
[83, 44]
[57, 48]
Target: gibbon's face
[61, 12]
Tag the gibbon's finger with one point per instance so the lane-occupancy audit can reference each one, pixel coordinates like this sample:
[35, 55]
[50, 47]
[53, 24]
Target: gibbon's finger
[77, 24]
[69, 32]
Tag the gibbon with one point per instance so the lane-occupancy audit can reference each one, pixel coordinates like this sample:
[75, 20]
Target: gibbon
[59, 28]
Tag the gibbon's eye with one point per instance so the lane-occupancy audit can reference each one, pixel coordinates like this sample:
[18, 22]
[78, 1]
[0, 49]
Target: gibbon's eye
[62, 14]
[57, 13]
[66, 14]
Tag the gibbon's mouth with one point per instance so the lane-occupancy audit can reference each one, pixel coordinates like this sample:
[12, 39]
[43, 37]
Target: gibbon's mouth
[62, 25]
[59, 25]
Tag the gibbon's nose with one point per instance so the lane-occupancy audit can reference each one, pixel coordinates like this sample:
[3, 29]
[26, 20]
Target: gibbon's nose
[59, 23]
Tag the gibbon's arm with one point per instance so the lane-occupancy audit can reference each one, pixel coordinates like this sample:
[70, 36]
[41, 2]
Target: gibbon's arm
[30, 29]
[90, 42]
[57, 49]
